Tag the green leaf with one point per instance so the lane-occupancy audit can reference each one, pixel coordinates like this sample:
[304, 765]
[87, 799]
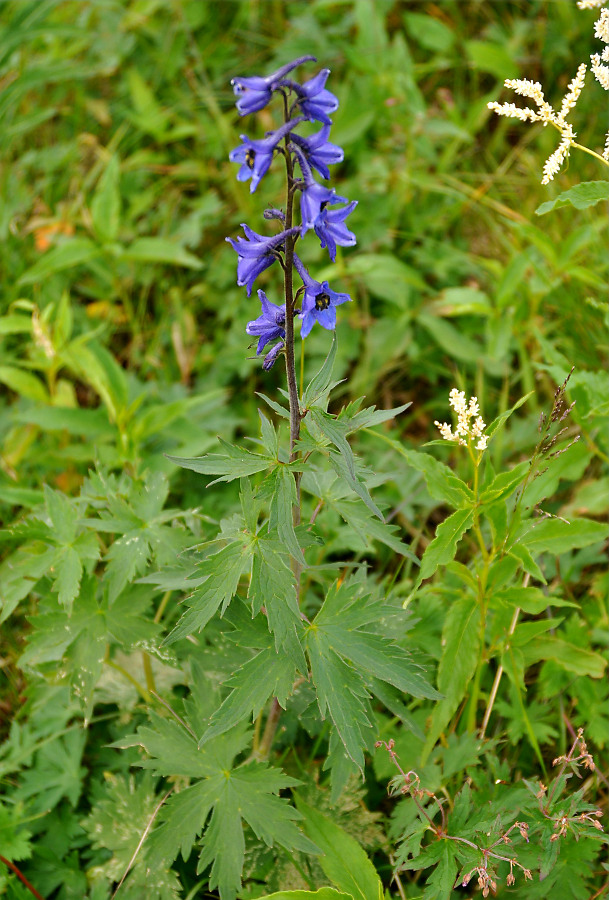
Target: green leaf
[273, 586]
[557, 536]
[491, 57]
[106, 203]
[14, 838]
[268, 674]
[452, 340]
[439, 885]
[441, 481]
[344, 470]
[429, 32]
[118, 820]
[369, 528]
[97, 367]
[343, 861]
[346, 657]
[500, 421]
[387, 277]
[324, 893]
[568, 656]
[282, 507]
[161, 250]
[530, 600]
[74, 252]
[523, 555]
[222, 573]
[581, 196]
[443, 548]
[24, 383]
[244, 794]
[321, 382]
[460, 648]
[57, 773]
[505, 483]
[341, 694]
[235, 462]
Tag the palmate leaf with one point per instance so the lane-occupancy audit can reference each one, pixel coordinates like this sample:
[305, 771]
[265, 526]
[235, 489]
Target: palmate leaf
[222, 572]
[273, 587]
[233, 795]
[342, 459]
[234, 462]
[348, 656]
[268, 674]
[283, 501]
[116, 824]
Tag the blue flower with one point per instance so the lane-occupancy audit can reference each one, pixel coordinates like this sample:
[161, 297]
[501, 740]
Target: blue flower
[319, 152]
[313, 197]
[271, 358]
[255, 92]
[268, 326]
[256, 254]
[256, 156]
[316, 102]
[331, 230]
[319, 303]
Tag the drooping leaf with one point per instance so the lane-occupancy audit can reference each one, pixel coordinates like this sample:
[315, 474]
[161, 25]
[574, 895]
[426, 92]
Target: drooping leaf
[460, 648]
[106, 203]
[443, 548]
[343, 860]
[581, 196]
[235, 462]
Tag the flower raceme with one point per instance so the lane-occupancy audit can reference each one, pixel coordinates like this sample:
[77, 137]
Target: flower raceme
[466, 429]
[309, 101]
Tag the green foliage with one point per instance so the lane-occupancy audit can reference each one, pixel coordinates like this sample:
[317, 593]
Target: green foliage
[194, 677]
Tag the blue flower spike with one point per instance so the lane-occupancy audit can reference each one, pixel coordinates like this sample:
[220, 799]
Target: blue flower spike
[256, 156]
[270, 325]
[319, 303]
[255, 92]
[256, 253]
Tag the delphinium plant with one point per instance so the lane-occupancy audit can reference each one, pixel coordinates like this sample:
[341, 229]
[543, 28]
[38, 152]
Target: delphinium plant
[314, 637]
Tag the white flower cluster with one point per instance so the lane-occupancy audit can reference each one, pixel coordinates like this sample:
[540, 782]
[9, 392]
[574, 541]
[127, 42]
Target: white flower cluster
[545, 113]
[465, 427]
[599, 62]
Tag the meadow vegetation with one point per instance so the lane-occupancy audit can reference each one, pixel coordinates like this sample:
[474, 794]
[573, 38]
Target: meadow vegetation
[341, 637]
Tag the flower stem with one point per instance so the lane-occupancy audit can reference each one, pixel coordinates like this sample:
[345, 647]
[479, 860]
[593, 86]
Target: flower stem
[270, 728]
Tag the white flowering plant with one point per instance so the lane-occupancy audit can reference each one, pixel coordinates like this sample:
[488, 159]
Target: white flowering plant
[545, 113]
